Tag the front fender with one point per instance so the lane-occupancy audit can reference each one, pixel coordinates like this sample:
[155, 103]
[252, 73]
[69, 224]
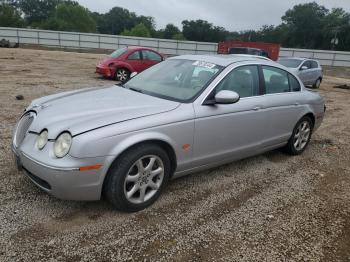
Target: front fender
[175, 128]
[137, 138]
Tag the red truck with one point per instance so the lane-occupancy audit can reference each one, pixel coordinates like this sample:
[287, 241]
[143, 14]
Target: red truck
[251, 48]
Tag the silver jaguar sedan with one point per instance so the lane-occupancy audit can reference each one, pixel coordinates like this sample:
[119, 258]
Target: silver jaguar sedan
[186, 114]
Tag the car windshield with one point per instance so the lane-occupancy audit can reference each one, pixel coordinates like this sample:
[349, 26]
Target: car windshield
[238, 51]
[118, 52]
[175, 79]
[291, 63]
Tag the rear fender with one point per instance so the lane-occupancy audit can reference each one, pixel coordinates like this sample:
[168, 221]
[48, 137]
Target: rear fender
[123, 65]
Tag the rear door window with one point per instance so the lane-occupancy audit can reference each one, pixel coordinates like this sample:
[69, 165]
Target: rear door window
[276, 80]
[135, 56]
[294, 83]
[149, 55]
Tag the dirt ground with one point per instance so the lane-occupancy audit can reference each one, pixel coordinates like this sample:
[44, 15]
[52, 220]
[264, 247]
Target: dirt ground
[271, 207]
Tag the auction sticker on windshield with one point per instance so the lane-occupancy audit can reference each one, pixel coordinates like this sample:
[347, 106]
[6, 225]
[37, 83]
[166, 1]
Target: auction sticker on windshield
[204, 64]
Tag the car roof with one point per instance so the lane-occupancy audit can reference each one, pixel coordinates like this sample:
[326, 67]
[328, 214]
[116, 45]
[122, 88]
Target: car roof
[298, 58]
[140, 48]
[222, 60]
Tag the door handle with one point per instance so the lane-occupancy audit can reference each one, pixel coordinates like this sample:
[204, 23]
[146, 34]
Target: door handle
[296, 103]
[256, 108]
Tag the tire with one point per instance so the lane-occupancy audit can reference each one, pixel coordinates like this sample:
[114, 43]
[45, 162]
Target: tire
[302, 133]
[123, 186]
[317, 84]
[122, 75]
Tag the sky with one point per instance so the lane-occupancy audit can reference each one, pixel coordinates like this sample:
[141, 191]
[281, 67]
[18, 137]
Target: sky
[234, 15]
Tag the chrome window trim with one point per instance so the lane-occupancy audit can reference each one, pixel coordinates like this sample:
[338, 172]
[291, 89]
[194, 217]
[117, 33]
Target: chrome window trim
[233, 66]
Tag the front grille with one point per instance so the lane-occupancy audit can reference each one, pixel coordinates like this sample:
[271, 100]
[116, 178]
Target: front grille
[22, 127]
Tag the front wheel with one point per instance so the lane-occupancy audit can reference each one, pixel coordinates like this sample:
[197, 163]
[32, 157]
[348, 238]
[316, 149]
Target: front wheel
[317, 84]
[300, 137]
[122, 75]
[137, 178]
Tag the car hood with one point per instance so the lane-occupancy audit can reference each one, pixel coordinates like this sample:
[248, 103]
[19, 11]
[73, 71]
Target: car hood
[87, 109]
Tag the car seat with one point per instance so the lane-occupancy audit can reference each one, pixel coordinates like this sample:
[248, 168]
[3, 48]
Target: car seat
[204, 77]
[240, 82]
[277, 84]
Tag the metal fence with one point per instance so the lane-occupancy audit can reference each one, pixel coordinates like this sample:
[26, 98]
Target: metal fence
[100, 41]
[170, 47]
[329, 58]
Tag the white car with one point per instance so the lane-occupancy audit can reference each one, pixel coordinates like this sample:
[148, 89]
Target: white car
[309, 70]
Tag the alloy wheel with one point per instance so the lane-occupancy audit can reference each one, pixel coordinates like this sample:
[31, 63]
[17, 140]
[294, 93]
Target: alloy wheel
[144, 179]
[122, 75]
[302, 135]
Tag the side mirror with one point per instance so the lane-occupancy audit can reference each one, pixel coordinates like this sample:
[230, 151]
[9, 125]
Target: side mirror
[226, 97]
[304, 68]
[133, 74]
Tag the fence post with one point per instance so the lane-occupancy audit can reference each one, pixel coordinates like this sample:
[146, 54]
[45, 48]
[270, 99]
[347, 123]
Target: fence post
[17, 35]
[59, 39]
[38, 37]
[334, 55]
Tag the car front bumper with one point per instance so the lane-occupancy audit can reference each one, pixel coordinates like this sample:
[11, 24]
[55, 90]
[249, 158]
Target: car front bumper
[105, 71]
[68, 183]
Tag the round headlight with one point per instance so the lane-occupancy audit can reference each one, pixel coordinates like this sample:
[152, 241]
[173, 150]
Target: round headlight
[41, 141]
[62, 145]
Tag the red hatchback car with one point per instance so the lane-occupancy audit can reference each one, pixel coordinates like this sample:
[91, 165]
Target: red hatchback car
[124, 61]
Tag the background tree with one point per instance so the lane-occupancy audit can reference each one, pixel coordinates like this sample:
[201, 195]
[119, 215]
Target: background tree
[148, 22]
[70, 16]
[37, 12]
[305, 24]
[337, 25]
[201, 30]
[10, 16]
[178, 36]
[139, 30]
[170, 31]
[116, 21]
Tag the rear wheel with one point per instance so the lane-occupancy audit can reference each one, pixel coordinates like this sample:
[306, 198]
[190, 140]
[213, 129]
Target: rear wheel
[122, 75]
[300, 137]
[137, 178]
[317, 84]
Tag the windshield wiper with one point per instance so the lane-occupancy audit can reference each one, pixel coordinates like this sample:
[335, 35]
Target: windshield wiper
[120, 84]
[136, 90]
